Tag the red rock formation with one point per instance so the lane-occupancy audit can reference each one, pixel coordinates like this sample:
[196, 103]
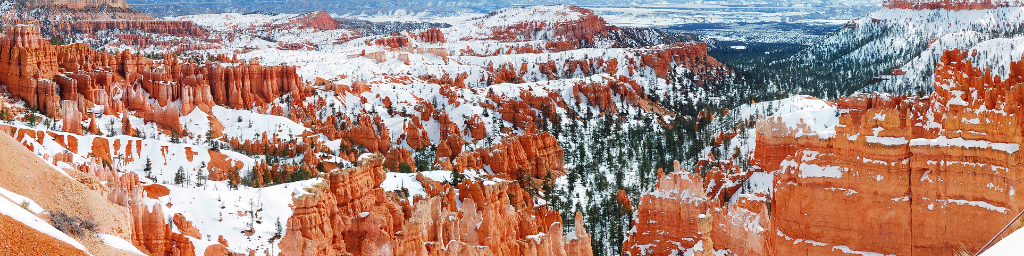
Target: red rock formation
[318, 20]
[185, 226]
[94, 78]
[71, 118]
[668, 215]
[432, 35]
[393, 42]
[370, 133]
[26, 56]
[351, 215]
[668, 219]
[475, 128]
[527, 154]
[155, 191]
[693, 56]
[451, 139]
[75, 3]
[398, 156]
[152, 234]
[901, 175]
[415, 136]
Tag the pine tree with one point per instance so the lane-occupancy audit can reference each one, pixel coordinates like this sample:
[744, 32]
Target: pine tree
[457, 177]
[179, 177]
[148, 169]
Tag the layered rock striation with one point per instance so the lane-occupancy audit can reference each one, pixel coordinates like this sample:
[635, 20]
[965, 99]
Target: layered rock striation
[898, 175]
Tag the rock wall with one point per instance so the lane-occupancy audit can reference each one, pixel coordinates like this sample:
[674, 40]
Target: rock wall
[94, 78]
[933, 174]
[899, 175]
[75, 3]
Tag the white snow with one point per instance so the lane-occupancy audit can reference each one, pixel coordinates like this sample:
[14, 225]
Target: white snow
[981, 204]
[1010, 245]
[204, 208]
[808, 170]
[847, 250]
[13, 210]
[943, 141]
[19, 199]
[119, 243]
[397, 181]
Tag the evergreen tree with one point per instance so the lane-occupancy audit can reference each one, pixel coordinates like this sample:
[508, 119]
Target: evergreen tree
[149, 169]
[179, 177]
[457, 177]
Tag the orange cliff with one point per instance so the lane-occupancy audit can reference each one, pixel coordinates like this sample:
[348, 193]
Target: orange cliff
[350, 214]
[668, 219]
[900, 175]
[36, 71]
[75, 3]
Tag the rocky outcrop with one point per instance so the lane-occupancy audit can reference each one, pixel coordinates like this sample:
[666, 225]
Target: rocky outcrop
[920, 167]
[152, 233]
[531, 154]
[899, 175]
[666, 219]
[318, 20]
[693, 56]
[393, 42]
[370, 133]
[75, 3]
[432, 36]
[476, 128]
[94, 78]
[27, 60]
[185, 226]
[351, 215]
[415, 136]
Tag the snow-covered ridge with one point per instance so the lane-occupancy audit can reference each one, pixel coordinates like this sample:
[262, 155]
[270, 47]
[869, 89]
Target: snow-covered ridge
[941, 30]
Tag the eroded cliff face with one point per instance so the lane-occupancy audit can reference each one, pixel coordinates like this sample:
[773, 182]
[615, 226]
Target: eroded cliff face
[85, 77]
[898, 175]
[350, 214]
